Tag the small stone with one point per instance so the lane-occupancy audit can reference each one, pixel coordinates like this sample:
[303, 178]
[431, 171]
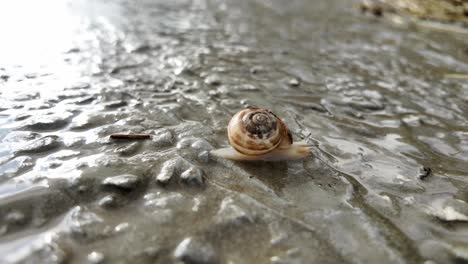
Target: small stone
[448, 209]
[167, 171]
[134, 120]
[55, 164]
[125, 181]
[87, 121]
[201, 145]
[115, 104]
[95, 257]
[163, 139]
[294, 82]
[193, 176]
[48, 122]
[278, 239]
[258, 70]
[196, 204]
[40, 106]
[140, 48]
[26, 96]
[412, 120]
[108, 201]
[158, 201]
[278, 260]
[65, 154]
[121, 227]
[16, 166]
[117, 68]
[185, 142]
[213, 80]
[191, 250]
[86, 226]
[85, 100]
[18, 136]
[75, 142]
[128, 149]
[82, 188]
[231, 214]
[22, 117]
[41, 145]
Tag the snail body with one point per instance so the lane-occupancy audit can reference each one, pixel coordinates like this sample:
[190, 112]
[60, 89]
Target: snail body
[259, 134]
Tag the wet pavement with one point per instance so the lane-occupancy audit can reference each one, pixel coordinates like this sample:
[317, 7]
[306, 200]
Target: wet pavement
[388, 184]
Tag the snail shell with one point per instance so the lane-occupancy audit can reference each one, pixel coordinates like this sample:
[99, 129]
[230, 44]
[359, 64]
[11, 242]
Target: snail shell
[259, 134]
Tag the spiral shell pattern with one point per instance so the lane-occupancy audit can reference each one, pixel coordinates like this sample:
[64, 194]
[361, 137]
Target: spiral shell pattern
[256, 131]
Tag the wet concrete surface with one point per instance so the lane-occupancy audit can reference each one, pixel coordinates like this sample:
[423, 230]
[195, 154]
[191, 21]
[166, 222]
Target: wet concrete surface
[388, 184]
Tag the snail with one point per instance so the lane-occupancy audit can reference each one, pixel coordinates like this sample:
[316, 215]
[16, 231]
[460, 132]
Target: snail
[259, 134]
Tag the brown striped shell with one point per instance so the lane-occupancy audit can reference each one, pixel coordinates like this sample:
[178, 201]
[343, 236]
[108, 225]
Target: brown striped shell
[256, 131]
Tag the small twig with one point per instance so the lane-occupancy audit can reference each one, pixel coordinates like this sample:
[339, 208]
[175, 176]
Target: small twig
[130, 136]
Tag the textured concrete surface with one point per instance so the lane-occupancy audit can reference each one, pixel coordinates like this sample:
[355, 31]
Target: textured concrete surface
[388, 184]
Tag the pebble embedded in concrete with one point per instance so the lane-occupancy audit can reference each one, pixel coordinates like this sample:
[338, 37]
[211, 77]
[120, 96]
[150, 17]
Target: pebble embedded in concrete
[213, 80]
[44, 144]
[163, 138]
[168, 170]
[48, 122]
[294, 82]
[86, 226]
[231, 214]
[115, 104]
[201, 145]
[96, 257]
[129, 149]
[193, 176]
[124, 181]
[109, 201]
[16, 166]
[193, 250]
[122, 227]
